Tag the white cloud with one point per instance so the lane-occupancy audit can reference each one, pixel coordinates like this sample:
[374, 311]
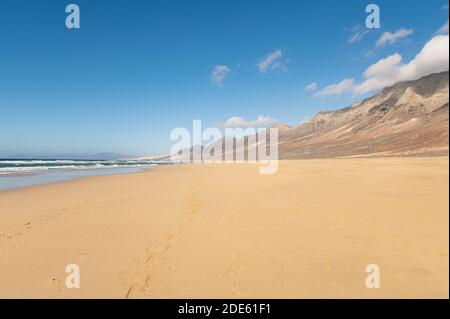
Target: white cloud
[433, 58]
[219, 73]
[272, 61]
[443, 29]
[382, 65]
[342, 87]
[391, 38]
[311, 87]
[357, 33]
[236, 121]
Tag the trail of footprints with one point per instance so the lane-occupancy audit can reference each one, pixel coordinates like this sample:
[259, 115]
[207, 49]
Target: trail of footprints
[143, 283]
[237, 265]
[13, 237]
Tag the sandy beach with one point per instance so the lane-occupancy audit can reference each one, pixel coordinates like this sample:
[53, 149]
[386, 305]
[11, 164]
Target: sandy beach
[225, 231]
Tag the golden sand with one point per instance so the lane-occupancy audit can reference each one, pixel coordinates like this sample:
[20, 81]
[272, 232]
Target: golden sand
[224, 230]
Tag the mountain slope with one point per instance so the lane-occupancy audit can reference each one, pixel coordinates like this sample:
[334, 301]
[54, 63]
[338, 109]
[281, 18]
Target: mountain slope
[409, 118]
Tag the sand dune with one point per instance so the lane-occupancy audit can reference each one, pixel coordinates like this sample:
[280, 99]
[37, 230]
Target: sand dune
[225, 231]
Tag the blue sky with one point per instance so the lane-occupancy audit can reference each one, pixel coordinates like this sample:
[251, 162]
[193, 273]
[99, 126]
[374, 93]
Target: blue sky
[137, 69]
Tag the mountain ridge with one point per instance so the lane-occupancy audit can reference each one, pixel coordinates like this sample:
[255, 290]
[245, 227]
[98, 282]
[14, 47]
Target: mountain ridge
[408, 118]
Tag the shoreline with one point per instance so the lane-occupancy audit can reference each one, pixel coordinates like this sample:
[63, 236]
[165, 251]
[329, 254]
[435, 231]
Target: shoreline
[25, 180]
[137, 170]
[162, 232]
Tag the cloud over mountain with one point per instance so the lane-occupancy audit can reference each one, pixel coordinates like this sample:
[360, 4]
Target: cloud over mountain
[433, 58]
[236, 121]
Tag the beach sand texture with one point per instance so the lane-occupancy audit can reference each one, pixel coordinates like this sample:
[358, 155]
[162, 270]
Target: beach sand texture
[225, 231]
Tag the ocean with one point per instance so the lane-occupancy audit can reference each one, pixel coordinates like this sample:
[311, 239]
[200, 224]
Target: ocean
[15, 173]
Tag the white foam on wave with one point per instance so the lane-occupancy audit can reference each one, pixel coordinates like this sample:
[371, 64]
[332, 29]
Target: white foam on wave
[30, 166]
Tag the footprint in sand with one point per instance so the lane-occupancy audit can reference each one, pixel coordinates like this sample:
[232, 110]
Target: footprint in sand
[236, 270]
[401, 278]
[147, 284]
[235, 255]
[237, 290]
[173, 268]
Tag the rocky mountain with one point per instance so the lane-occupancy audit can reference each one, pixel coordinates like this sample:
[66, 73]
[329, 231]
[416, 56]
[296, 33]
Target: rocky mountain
[409, 118]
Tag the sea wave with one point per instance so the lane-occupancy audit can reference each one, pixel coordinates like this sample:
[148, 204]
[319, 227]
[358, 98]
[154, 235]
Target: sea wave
[30, 166]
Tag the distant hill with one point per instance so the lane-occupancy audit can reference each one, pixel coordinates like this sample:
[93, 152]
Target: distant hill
[97, 156]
